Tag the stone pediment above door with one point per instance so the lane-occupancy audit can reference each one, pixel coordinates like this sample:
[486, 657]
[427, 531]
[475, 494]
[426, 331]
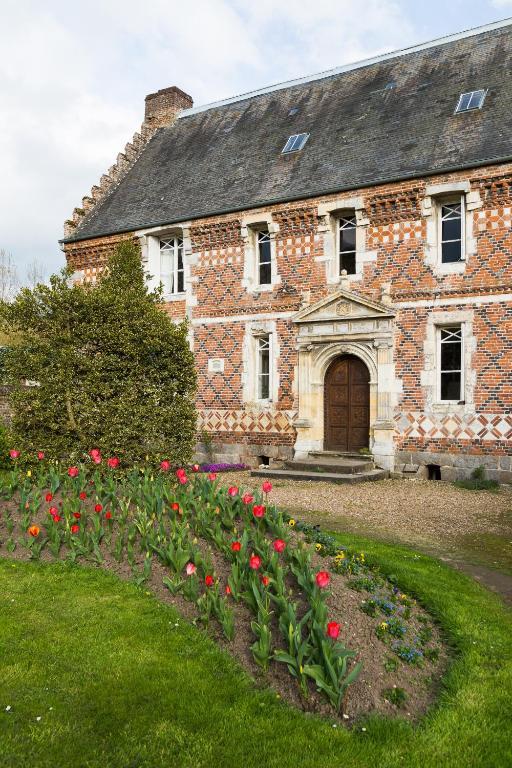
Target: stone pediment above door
[344, 313]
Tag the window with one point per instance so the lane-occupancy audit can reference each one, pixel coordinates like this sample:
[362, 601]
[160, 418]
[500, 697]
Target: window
[451, 235]
[470, 100]
[264, 368]
[450, 363]
[171, 265]
[264, 258]
[347, 243]
[295, 143]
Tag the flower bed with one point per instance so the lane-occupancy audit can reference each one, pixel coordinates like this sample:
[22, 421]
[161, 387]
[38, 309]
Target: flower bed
[316, 621]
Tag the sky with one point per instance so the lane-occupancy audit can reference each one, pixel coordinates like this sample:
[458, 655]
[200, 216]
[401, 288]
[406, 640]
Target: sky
[73, 77]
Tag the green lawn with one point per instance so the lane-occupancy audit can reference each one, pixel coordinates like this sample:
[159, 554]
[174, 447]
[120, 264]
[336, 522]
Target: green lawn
[119, 680]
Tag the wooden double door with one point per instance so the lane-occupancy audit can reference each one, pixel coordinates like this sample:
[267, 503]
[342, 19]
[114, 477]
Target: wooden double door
[347, 405]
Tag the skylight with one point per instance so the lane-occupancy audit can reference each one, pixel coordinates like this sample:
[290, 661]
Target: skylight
[470, 100]
[295, 143]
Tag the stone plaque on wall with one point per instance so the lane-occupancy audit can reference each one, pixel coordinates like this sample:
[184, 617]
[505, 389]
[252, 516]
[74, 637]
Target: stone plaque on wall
[216, 365]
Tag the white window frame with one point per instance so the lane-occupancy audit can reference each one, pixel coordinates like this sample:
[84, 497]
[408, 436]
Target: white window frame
[177, 244]
[252, 224]
[439, 329]
[263, 233]
[259, 375]
[456, 199]
[345, 215]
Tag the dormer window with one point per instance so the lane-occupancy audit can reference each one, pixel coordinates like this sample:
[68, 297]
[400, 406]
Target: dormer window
[172, 274]
[264, 257]
[451, 221]
[347, 228]
[470, 100]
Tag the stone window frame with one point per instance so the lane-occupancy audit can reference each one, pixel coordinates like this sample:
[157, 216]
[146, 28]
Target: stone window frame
[430, 375]
[250, 226]
[435, 196]
[254, 331]
[150, 252]
[329, 214]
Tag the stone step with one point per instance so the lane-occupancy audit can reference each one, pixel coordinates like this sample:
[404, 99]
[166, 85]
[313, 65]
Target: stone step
[341, 455]
[326, 477]
[340, 466]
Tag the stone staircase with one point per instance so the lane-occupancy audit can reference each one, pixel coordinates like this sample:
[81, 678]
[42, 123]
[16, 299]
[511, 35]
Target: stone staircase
[326, 466]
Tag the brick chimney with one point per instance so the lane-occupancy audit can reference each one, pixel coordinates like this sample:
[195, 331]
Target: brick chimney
[164, 106]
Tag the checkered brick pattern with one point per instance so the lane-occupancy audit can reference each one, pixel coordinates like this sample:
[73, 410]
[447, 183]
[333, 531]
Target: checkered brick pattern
[245, 422]
[478, 426]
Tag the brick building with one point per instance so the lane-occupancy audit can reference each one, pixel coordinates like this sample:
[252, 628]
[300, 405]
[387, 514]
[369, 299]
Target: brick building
[342, 248]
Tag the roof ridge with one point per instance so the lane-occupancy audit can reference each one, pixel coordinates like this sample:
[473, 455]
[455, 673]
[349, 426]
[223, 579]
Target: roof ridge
[444, 40]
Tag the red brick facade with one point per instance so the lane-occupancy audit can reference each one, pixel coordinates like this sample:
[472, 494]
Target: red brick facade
[220, 307]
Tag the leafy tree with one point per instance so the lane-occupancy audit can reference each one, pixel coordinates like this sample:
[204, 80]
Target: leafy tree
[106, 367]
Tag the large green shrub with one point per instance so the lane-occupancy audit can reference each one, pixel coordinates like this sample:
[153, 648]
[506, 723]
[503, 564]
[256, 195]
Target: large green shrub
[107, 368]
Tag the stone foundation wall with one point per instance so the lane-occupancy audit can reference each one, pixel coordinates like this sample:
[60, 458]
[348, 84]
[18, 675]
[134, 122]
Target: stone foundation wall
[454, 466]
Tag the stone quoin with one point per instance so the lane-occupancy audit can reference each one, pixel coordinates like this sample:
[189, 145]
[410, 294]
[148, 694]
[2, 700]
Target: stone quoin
[342, 248]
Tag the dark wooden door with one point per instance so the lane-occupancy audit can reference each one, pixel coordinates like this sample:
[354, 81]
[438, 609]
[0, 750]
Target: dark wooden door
[347, 405]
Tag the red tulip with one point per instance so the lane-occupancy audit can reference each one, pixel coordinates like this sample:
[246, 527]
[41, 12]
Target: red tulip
[98, 508]
[49, 497]
[279, 545]
[34, 531]
[40, 455]
[77, 515]
[195, 467]
[175, 506]
[322, 579]
[208, 581]
[258, 510]
[82, 495]
[212, 477]
[236, 546]
[233, 490]
[265, 581]
[333, 630]
[165, 465]
[94, 452]
[14, 454]
[179, 472]
[108, 515]
[227, 590]
[56, 518]
[254, 562]
[53, 511]
[74, 528]
[113, 462]
[73, 471]
[182, 479]
[97, 459]
[267, 486]
[247, 498]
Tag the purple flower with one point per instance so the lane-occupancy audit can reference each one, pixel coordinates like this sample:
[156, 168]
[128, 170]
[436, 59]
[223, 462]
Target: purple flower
[221, 467]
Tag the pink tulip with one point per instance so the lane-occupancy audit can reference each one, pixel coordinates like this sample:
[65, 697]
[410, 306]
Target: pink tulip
[190, 569]
[267, 486]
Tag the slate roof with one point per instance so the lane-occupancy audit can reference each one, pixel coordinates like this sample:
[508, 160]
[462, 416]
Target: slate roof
[389, 120]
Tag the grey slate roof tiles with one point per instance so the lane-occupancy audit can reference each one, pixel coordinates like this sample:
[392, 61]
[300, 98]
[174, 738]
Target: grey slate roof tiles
[391, 120]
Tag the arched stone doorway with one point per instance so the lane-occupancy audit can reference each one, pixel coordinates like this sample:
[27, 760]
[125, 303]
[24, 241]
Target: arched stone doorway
[347, 405]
